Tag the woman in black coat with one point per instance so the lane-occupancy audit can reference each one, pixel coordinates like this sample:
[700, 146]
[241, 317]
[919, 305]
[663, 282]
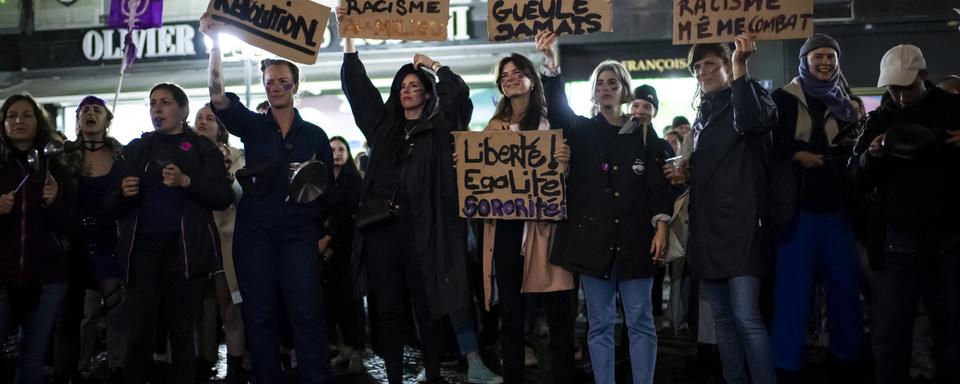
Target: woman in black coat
[729, 246]
[344, 308]
[419, 244]
[172, 180]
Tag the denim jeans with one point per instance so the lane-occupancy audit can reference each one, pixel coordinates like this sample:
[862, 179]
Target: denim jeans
[39, 313]
[601, 299]
[740, 330]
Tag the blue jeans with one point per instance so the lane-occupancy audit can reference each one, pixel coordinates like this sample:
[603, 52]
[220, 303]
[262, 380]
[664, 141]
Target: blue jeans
[601, 299]
[281, 263]
[819, 245]
[36, 327]
[740, 330]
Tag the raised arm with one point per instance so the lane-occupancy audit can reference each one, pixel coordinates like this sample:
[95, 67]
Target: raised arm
[364, 98]
[235, 116]
[754, 112]
[215, 82]
[558, 109]
[452, 91]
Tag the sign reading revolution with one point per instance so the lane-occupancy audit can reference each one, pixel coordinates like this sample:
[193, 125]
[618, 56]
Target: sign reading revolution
[396, 19]
[292, 29]
[522, 19]
[510, 175]
[719, 21]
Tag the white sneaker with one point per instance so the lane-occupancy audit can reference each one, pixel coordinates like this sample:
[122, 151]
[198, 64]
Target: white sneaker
[529, 357]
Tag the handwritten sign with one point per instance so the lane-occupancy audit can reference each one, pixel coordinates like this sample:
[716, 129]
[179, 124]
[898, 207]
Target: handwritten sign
[396, 19]
[522, 19]
[292, 29]
[719, 21]
[510, 175]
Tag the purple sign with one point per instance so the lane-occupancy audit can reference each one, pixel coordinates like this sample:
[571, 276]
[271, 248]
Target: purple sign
[136, 14]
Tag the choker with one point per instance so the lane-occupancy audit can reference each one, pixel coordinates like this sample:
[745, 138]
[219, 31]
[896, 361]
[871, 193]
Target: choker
[94, 146]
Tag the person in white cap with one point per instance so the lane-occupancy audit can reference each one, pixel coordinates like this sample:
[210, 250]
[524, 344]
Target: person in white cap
[906, 165]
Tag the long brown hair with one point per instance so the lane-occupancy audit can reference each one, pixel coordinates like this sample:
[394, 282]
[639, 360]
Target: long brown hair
[44, 128]
[538, 103]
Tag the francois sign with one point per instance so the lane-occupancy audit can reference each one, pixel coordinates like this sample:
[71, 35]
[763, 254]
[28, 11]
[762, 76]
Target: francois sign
[719, 21]
[510, 175]
[292, 29]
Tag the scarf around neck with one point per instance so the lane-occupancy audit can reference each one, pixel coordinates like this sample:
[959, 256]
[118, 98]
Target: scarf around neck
[830, 92]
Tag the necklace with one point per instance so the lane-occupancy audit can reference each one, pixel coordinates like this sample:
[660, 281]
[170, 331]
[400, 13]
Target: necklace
[94, 146]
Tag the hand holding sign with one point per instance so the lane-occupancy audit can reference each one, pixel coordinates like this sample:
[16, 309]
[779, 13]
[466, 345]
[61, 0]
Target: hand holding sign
[210, 27]
[745, 47]
[547, 45]
[424, 61]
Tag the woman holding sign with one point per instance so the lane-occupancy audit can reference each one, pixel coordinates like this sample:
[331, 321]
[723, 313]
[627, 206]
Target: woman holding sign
[519, 250]
[410, 236]
[730, 243]
[615, 235]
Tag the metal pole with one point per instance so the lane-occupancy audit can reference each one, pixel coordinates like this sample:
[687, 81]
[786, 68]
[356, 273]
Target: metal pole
[248, 73]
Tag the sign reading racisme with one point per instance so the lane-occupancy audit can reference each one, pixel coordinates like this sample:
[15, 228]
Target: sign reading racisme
[424, 20]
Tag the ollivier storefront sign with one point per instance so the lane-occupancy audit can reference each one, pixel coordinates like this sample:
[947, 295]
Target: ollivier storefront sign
[177, 40]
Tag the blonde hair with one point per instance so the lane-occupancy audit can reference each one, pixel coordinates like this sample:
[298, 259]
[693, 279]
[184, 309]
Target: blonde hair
[622, 75]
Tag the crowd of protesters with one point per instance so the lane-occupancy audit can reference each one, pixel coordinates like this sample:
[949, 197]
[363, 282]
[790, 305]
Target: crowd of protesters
[768, 203]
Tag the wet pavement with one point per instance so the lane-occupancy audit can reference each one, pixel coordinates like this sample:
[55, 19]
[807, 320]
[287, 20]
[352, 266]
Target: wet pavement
[672, 355]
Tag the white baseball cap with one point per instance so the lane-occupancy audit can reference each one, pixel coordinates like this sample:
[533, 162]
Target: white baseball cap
[900, 65]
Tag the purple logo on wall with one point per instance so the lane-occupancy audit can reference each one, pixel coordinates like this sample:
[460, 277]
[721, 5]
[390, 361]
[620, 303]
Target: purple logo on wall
[136, 14]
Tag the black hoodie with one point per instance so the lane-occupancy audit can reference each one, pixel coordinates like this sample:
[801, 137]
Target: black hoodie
[429, 181]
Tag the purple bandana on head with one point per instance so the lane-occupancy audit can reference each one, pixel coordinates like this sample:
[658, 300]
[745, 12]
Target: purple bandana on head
[141, 14]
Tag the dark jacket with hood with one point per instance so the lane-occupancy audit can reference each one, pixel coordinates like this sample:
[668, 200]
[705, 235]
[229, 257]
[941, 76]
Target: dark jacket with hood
[912, 203]
[730, 230]
[209, 190]
[33, 234]
[429, 179]
[615, 188]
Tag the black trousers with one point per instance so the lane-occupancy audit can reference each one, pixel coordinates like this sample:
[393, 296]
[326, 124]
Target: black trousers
[157, 278]
[344, 306]
[393, 266]
[904, 279]
[558, 306]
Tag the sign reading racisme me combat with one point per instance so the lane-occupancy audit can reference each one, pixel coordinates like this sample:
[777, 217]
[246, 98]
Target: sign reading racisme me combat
[522, 19]
[292, 29]
[510, 175]
[718, 21]
[396, 19]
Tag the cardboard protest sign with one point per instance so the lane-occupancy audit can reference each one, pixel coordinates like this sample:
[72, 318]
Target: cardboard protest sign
[522, 19]
[719, 21]
[510, 175]
[292, 29]
[396, 19]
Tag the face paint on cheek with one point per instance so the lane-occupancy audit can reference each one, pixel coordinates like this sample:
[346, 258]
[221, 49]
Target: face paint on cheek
[287, 87]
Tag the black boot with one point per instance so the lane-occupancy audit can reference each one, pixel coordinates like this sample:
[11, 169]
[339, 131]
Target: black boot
[235, 372]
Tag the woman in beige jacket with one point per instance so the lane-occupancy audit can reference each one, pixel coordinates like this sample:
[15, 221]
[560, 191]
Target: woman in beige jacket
[515, 253]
